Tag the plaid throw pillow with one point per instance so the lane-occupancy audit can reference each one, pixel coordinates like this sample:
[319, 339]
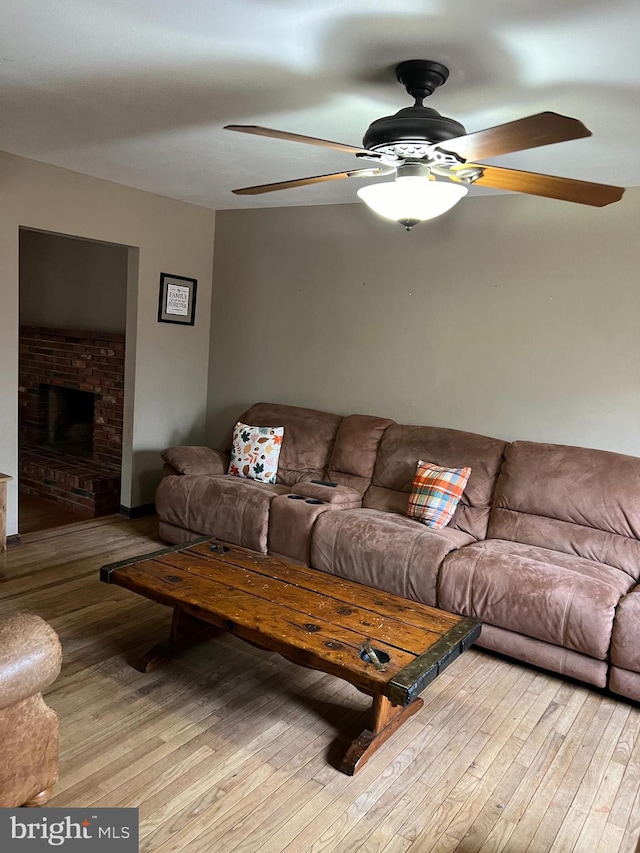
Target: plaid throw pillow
[255, 452]
[435, 494]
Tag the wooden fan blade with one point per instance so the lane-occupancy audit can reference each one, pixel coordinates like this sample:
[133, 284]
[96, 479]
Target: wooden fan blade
[565, 189]
[532, 132]
[301, 182]
[296, 137]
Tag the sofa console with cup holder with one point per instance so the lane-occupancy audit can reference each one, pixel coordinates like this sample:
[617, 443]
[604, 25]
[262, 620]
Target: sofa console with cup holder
[543, 544]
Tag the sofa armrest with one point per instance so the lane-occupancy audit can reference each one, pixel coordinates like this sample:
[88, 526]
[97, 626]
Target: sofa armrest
[340, 497]
[30, 657]
[196, 460]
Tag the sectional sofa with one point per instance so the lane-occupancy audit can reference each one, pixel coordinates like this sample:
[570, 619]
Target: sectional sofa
[543, 548]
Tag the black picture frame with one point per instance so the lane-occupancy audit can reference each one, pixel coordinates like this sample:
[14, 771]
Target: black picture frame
[177, 303]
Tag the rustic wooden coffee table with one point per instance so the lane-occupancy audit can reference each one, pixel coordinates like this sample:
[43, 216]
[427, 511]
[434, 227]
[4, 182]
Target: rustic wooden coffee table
[384, 645]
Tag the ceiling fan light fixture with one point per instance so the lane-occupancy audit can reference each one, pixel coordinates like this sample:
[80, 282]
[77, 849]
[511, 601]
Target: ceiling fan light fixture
[411, 199]
[418, 143]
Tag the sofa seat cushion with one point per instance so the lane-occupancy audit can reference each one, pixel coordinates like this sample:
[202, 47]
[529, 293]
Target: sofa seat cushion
[230, 508]
[551, 596]
[383, 550]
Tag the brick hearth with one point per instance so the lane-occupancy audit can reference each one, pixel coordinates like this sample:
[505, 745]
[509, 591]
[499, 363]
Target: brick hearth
[82, 361]
[89, 488]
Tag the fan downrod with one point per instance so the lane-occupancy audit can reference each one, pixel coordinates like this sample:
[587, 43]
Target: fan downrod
[421, 77]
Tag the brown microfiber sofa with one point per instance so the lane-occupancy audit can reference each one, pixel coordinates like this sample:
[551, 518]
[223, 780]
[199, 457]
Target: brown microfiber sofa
[544, 547]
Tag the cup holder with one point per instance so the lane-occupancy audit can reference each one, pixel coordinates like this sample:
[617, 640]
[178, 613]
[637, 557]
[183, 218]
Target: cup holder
[383, 657]
[306, 500]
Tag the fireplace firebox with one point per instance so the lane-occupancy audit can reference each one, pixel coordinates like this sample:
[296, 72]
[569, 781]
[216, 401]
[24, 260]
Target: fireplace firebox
[69, 420]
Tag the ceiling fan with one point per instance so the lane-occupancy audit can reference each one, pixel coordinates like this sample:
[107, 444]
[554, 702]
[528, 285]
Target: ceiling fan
[418, 145]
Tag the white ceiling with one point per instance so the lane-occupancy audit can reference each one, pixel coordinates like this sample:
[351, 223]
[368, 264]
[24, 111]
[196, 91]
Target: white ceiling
[137, 91]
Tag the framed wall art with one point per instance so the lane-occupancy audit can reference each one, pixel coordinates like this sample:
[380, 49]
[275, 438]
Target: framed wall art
[177, 299]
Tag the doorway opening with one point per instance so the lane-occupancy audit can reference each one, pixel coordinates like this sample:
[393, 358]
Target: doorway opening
[73, 300]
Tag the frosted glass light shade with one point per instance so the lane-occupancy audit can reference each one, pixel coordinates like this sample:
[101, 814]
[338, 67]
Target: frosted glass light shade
[409, 200]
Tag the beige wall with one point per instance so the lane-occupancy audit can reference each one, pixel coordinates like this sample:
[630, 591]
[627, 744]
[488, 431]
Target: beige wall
[72, 284]
[166, 364]
[511, 316]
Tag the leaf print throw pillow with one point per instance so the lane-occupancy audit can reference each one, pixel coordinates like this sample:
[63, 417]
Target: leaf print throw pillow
[255, 452]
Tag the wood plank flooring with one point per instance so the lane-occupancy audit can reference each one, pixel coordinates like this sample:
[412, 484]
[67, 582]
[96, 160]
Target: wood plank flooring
[228, 748]
[35, 513]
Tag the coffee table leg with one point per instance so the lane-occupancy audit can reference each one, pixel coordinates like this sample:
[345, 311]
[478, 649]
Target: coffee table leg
[185, 631]
[386, 719]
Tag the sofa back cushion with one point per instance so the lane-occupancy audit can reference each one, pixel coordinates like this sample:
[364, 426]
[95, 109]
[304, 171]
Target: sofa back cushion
[571, 499]
[354, 452]
[308, 439]
[401, 448]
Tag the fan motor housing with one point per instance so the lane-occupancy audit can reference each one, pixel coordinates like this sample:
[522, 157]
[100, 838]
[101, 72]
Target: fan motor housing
[416, 124]
[411, 124]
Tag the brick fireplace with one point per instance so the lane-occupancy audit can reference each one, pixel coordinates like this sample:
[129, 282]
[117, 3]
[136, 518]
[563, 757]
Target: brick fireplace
[70, 423]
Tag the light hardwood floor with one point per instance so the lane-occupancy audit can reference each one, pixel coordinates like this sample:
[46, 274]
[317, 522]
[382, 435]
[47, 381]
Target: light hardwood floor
[229, 748]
